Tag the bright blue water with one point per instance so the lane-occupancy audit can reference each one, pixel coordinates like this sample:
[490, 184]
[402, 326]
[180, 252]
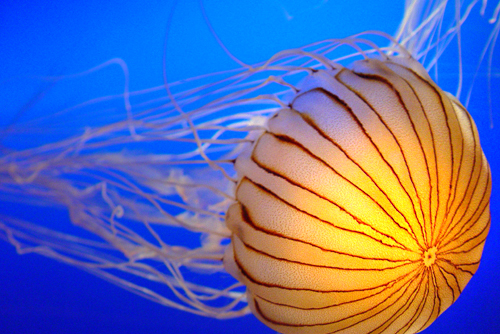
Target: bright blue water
[38, 295]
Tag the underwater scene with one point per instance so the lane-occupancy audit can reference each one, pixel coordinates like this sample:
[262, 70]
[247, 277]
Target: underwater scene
[124, 133]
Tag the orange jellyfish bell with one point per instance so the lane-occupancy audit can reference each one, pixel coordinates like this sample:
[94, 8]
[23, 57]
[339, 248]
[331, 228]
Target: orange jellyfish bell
[364, 207]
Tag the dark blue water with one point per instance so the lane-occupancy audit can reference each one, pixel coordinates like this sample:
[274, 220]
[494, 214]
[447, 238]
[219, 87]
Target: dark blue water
[38, 295]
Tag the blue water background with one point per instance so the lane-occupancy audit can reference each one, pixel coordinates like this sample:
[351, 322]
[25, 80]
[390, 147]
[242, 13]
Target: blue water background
[39, 295]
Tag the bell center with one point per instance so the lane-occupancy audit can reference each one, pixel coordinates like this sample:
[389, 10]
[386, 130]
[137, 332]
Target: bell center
[429, 256]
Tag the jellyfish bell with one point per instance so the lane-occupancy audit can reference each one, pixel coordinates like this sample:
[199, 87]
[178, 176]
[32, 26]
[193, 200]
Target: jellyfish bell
[186, 180]
[364, 206]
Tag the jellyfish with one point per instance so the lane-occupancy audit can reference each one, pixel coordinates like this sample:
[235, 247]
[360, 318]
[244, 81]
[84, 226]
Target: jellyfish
[175, 194]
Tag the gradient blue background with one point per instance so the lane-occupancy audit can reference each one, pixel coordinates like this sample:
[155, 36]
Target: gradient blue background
[38, 295]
